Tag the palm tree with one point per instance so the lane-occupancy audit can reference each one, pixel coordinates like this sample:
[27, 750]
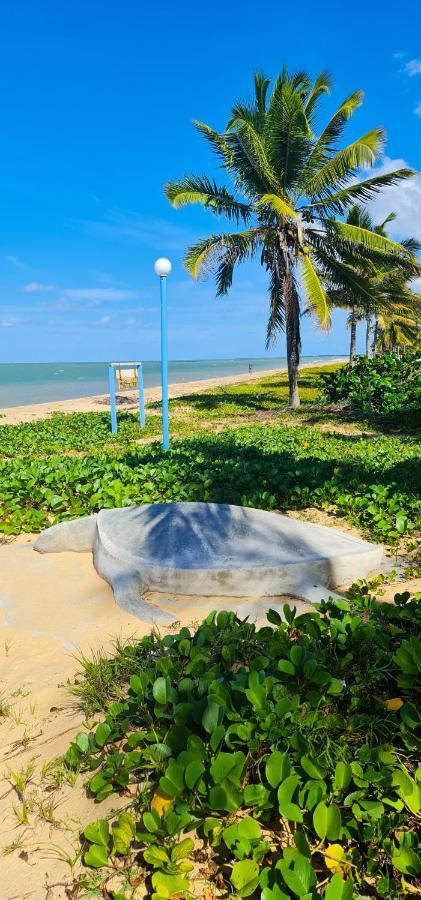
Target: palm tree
[289, 183]
[397, 313]
[383, 285]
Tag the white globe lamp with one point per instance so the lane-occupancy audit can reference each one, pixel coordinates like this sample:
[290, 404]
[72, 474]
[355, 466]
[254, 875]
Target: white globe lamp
[162, 267]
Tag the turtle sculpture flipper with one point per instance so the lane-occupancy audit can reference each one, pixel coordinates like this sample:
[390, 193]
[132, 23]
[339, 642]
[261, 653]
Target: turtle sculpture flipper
[81, 536]
[212, 550]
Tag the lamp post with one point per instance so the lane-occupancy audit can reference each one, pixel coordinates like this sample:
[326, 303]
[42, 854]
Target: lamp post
[162, 269]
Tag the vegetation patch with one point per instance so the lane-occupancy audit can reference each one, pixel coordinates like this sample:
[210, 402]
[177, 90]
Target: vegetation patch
[372, 482]
[386, 387]
[277, 762]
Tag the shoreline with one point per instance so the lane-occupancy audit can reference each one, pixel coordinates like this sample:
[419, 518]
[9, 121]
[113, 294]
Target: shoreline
[14, 415]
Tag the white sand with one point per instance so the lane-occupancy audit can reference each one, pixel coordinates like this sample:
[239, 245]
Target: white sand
[52, 606]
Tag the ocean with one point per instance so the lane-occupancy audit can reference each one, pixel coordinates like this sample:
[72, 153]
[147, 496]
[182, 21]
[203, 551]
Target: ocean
[26, 383]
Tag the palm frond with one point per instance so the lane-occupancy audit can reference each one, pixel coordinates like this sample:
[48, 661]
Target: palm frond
[287, 135]
[204, 257]
[342, 166]
[261, 85]
[276, 319]
[361, 191]
[322, 85]
[278, 205]
[370, 240]
[334, 128]
[249, 158]
[217, 141]
[315, 292]
[200, 189]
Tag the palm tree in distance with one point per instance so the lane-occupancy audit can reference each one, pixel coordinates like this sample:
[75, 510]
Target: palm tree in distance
[381, 286]
[289, 184]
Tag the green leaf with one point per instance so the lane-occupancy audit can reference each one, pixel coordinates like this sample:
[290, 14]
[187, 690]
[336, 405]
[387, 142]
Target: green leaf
[249, 828]
[98, 833]
[167, 886]
[213, 715]
[156, 856]
[277, 768]
[123, 832]
[311, 768]
[82, 742]
[300, 878]
[217, 737]
[225, 796]
[161, 690]
[245, 877]
[256, 795]
[287, 667]
[343, 775]
[406, 860]
[182, 850]
[172, 783]
[286, 791]
[327, 821]
[96, 856]
[228, 765]
[338, 889]
[194, 771]
[151, 822]
[102, 732]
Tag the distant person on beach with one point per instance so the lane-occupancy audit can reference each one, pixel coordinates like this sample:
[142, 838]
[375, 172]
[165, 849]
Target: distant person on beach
[250, 368]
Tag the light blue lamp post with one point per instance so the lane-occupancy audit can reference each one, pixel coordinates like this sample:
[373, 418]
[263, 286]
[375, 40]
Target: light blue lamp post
[162, 269]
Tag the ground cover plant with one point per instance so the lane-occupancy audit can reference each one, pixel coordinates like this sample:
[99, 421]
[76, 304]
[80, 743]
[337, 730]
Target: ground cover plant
[386, 387]
[275, 762]
[372, 482]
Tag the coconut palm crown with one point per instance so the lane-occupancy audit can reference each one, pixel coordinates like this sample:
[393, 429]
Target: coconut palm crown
[290, 183]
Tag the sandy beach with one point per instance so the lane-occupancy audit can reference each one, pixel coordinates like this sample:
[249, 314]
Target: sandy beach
[128, 400]
[52, 609]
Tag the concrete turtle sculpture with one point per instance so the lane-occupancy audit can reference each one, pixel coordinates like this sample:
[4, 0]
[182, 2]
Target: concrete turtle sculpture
[211, 549]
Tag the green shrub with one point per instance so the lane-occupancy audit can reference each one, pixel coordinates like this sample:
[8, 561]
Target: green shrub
[290, 751]
[383, 385]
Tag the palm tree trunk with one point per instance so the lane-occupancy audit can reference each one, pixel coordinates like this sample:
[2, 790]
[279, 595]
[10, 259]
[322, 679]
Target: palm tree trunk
[292, 329]
[353, 340]
[375, 336]
[367, 335]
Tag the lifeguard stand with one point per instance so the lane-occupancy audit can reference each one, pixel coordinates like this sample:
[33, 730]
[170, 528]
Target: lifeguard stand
[122, 376]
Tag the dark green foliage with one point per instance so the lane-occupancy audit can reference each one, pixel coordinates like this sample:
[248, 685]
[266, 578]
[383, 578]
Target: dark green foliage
[72, 432]
[289, 750]
[370, 481]
[385, 386]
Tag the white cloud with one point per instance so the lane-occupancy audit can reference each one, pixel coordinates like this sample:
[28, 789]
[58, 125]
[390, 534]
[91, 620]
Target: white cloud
[105, 320]
[413, 67]
[403, 198]
[35, 287]
[16, 262]
[11, 323]
[417, 109]
[98, 294]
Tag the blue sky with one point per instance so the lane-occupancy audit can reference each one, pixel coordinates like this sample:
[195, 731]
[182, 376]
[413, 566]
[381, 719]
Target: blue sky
[96, 107]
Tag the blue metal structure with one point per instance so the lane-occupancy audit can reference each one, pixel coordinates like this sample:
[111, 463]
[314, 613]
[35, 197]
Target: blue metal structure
[113, 386]
[164, 364]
